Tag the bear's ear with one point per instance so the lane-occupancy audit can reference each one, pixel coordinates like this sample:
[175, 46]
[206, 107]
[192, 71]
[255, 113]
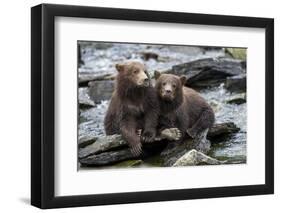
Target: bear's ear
[183, 80]
[156, 74]
[120, 67]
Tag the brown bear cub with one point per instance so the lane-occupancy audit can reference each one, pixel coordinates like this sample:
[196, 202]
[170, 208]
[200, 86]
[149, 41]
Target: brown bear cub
[133, 106]
[183, 108]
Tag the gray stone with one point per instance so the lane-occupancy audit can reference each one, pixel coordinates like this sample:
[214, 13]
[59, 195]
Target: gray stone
[193, 157]
[101, 90]
[236, 83]
[107, 158]
[209, 71]
[102, 144]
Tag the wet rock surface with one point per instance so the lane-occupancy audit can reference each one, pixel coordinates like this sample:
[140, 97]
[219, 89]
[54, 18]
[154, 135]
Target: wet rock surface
[101, 90]
[236, 83]
[214, 72]
[107, 150]
[209, 71]
[193, 158]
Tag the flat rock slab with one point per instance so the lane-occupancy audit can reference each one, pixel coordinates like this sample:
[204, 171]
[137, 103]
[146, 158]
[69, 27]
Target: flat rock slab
[222, 129]
[107, 158]
[86, 75]
[208, 71]
[102, 144]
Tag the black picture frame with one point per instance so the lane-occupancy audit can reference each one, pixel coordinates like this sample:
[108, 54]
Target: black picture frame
[43, 102]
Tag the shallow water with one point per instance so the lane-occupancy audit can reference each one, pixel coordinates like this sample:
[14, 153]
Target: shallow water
[232, 149]
[101, 58]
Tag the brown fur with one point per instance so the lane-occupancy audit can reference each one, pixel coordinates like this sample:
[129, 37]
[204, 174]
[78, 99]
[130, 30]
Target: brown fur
[182, 107]
[133, 106]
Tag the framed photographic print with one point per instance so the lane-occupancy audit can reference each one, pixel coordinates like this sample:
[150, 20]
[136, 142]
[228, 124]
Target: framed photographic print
[140, 106]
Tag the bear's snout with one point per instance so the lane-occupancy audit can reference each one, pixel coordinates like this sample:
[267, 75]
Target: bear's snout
[143, 80]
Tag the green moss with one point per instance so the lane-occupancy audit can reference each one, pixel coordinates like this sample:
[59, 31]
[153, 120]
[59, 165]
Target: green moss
[237, 53]
[128, 163]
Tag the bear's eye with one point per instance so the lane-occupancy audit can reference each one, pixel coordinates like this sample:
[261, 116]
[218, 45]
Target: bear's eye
[174, 86]
[135, 71]
[164, 83]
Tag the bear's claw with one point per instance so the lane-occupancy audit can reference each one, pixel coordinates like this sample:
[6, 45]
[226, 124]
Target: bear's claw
[136, 150]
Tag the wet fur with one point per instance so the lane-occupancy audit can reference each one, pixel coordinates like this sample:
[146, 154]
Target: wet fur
[188, 111]
[132, 108]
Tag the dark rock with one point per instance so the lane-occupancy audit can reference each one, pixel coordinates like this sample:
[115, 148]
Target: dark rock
[174, 151]
[107, 158]
[86, 141]
[236, 83]
[209, 71]
[222, 129]
[101, 90]
[149, 55]
[85, 76]
[80, 61]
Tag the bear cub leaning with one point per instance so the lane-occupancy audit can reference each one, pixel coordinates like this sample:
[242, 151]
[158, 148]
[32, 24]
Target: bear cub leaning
[133, 106]
[183, 108]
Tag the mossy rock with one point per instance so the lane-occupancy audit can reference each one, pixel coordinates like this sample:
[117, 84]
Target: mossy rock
[237, 53]
[128, 163]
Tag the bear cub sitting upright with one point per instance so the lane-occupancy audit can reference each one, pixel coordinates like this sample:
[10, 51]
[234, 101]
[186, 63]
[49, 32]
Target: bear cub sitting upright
[133, 106]
[183, 108]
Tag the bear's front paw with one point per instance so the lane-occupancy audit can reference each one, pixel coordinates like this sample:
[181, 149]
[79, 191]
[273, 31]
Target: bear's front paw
[136, 149]
[148, 136]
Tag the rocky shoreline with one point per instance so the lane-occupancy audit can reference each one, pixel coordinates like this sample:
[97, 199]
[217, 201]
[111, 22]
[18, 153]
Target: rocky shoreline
[203, 73]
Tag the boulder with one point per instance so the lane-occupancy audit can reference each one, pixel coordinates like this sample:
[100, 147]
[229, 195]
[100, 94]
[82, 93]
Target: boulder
[222, 129]
[209, 71]
[101, 90]
[193, 158]
[236, 83]
[149, 55]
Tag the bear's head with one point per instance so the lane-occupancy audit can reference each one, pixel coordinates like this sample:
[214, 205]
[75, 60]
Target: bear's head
[133, 73]
[169, 87]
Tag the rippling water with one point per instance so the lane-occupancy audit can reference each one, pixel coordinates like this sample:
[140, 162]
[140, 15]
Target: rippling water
[234, 148]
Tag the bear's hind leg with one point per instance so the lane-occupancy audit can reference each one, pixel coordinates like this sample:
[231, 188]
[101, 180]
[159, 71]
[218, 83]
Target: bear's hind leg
[205, 121]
